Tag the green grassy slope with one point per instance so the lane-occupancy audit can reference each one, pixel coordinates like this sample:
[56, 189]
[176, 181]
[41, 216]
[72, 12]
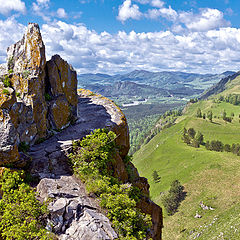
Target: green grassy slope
[211, 177]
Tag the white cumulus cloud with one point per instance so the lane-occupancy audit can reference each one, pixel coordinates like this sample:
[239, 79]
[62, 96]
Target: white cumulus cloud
[61, 13]
[167, 13]
[10, 32]
[209, 51]
[154, 3]
[157, 3]
[6, 6]
[43, 2]
[206, 20]
[89, 51]
[128, 10]
[40, 9]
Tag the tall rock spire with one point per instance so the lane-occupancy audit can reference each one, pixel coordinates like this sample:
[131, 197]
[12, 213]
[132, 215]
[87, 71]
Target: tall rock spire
[28, 53]
[27, 60]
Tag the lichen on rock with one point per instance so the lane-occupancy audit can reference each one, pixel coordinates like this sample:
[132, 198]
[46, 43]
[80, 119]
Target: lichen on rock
[23, 102]
[62, 89]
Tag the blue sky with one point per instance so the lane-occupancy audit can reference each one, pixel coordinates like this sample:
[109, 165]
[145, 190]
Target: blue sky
[118, 36]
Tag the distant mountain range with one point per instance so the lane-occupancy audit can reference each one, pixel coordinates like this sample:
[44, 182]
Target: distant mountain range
[144, 83]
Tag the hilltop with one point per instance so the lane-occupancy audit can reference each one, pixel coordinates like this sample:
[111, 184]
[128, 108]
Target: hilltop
[209, 177]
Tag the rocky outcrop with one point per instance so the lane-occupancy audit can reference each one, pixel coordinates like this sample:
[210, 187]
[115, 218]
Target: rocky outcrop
[74, 215]
[49, 163]
[26, 60]
[62, 87]
[38, 98]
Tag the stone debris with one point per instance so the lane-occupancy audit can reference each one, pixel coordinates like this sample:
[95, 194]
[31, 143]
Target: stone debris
[197, 215]
[205, 207]
[73, 215]
[196, 234]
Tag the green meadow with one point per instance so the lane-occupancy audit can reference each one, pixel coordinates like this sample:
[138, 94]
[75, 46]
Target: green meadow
[207, 176]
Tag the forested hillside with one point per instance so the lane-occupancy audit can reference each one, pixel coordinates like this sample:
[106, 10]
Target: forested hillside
[202, 151]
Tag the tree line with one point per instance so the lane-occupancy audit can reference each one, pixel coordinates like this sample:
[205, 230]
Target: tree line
[191, 138]
[209, 115]
[231, 98]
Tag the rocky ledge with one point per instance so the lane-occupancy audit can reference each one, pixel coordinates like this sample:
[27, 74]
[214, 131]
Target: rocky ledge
[40, 108]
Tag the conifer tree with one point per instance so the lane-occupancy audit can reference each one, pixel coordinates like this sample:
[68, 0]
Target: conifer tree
[199, 113]
[210, 115]
[156, 177]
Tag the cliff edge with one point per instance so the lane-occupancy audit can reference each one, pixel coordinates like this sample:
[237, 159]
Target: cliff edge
[42, 113]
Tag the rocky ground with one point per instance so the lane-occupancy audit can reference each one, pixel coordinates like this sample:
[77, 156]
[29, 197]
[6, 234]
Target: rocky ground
[74, 215]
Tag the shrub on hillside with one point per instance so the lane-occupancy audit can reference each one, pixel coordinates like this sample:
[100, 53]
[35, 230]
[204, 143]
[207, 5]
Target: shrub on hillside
[199, 138]
[227, 148]
[156, 177]
[210, 115]
[214, 145]
[191, 138]
[21, 215]
[191, 132]
[199, 113]
[236, 149]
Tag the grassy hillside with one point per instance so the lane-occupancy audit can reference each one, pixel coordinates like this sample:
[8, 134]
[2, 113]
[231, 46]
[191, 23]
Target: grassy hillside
[210, 177]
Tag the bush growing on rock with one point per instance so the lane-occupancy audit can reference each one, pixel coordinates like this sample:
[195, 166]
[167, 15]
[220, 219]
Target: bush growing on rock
[6, 82]
[91, 161]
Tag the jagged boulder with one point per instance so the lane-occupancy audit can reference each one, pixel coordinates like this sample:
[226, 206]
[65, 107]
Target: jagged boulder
[62, 87]
[73, 214]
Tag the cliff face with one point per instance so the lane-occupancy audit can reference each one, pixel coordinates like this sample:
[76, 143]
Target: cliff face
[38, 98]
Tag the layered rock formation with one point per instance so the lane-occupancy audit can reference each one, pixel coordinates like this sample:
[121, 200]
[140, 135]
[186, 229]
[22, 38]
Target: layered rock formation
[33, 93]
[38, 98]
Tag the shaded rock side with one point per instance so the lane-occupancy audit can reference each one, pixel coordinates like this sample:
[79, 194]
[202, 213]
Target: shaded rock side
[117, 121]
[8, 133]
